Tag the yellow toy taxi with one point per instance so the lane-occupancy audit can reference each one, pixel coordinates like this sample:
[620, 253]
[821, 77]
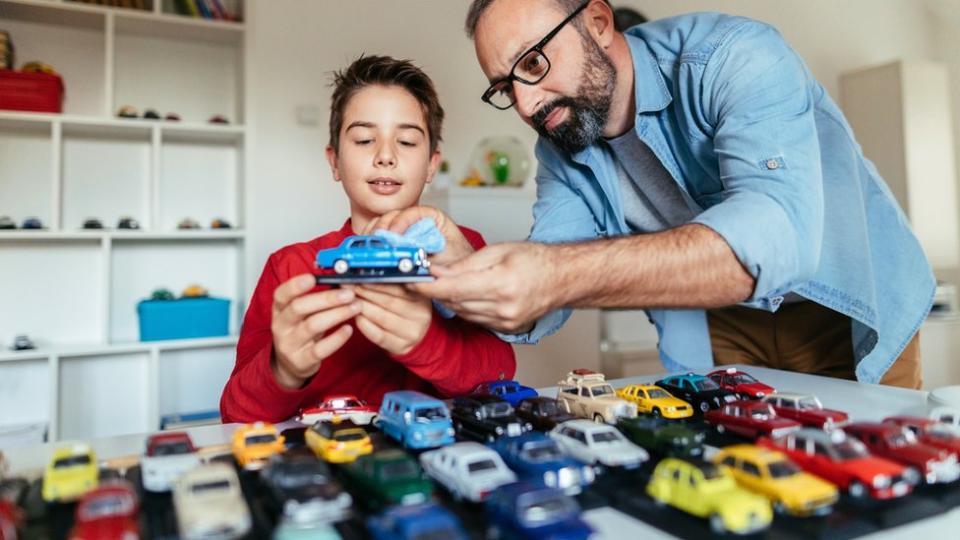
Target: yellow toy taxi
[253, 444]
[652, 399]
[773, 475]
[338, 442]
[706, 490]
[71, 473]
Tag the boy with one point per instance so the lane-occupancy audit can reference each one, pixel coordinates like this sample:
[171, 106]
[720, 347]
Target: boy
[301, 342]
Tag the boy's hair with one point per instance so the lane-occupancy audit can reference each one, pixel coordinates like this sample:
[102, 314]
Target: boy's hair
[386, 71]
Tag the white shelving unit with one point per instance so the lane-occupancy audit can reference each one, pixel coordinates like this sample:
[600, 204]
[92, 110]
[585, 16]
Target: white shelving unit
[75, 291]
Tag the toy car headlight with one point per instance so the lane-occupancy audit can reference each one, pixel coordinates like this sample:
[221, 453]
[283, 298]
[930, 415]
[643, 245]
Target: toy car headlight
[881, 481]
[417, 435]
[911, 476]
[499, 430]
[550, 478]
[589, 475]
[451, 432]
[671, 409]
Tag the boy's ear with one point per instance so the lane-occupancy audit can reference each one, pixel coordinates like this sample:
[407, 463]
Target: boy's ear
[332, 160]
[435, 160]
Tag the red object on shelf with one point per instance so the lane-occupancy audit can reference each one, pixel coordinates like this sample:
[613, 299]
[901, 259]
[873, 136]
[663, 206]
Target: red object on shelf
[35, 92]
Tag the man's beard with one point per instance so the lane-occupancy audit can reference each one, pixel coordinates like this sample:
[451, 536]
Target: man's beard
[589, 109]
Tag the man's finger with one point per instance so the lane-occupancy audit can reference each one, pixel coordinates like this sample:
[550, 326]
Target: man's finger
[292, 288]
[477, 285]
[306, 305]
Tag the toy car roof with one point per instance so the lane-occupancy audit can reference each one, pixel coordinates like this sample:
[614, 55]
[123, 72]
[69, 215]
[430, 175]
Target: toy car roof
[757, 454]
[588, 426]
[790, 395]
[816, 435]
[464, 450]
[412, 397]
[692, 377]
[585, 375]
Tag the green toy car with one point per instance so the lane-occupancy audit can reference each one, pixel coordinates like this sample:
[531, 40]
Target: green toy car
[162, 294]
[386, 478]
[663, 437]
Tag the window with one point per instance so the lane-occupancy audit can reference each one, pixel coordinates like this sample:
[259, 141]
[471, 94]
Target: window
[676, 474]
[357, 244]
[584, 392]
[729, 461]
[750, 468]
[374, 243]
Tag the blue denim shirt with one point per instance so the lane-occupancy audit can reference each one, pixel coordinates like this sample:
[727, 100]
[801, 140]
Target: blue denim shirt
[765, 155]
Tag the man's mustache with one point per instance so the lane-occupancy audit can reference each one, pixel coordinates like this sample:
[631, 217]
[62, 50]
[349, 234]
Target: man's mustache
[540, 117]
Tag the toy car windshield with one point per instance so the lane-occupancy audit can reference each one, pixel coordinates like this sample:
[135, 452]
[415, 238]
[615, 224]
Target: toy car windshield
[399, 470]
[497, 410]
[782, 469]
[210, 487]
[107, 506]
[705, 384]
[481, 465]
[548, 510]
[850, 449]
[656, 393]
[602, 390]
[261, 439]
[901, 438]
[172, 449]
[605, 437]
[541, 452]
[743, 378]
[809, 403]
[431, 414]
[72, 461]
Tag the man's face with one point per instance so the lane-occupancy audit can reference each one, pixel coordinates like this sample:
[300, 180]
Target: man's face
[570, 106]
[384, 159]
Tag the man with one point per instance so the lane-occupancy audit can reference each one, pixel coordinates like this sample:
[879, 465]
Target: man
[695, 168]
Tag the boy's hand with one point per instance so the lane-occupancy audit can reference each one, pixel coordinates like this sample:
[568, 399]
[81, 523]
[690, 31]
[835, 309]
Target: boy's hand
[399, 221]
[302, 324]
[393, 317]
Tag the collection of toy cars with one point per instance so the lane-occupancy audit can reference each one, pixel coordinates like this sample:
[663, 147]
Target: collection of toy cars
[30, 223]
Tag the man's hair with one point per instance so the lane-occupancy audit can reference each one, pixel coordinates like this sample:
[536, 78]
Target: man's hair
[385, 71]
[478, 7]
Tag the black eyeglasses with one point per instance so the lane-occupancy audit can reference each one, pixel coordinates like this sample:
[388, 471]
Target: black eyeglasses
[530, 68]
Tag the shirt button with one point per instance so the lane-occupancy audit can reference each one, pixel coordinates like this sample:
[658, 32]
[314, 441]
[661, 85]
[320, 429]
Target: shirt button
[773, 164]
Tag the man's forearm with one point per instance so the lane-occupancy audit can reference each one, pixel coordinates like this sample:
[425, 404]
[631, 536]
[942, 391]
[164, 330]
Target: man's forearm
[688, 267]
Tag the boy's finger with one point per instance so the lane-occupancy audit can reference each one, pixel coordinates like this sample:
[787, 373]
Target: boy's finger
[383, 317]
[377, 335]
[308, 304]
[287, 291]
[332, 343]
[318, 324]
[372, 291]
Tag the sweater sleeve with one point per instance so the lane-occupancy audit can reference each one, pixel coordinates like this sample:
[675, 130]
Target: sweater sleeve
[456, 355]
[252, 392]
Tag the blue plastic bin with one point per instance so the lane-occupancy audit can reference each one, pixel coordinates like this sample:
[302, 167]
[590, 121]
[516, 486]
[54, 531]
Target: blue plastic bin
[183, 318]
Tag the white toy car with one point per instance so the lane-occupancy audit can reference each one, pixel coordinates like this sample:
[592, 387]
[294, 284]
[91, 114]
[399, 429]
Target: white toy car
[469, 470]
[168, 455]
[209, 503]
[591, 442]
[946, 415]
[341, 407]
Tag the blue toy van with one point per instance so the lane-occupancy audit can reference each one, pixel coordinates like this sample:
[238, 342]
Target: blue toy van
[415, 420]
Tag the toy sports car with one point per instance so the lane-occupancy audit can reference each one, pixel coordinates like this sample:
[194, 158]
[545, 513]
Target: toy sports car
[512, 391]
[372, 254]
[750, 419]
[896, 443]
[654, 400]
[744, 384]
[806, 409]
[697, 390]
[346, 407]
[930, 432]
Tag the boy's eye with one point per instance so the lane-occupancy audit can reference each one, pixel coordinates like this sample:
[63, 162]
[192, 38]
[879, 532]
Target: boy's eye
[408, 143]
[363, 142]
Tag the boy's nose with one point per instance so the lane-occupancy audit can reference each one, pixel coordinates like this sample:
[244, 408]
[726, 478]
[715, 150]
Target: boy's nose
[386, 157]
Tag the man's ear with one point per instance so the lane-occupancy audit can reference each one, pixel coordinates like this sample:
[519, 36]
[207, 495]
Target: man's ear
[599, 21]
[435, 160]
[332, 160]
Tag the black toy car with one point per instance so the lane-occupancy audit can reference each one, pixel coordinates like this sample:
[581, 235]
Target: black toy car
[7, 223]
[302, 488]
[485, 418]
[151, 114]
[543, 413]
[663, 437]
[22, 342]
[127, 222]
[92, 223]
[697, 390]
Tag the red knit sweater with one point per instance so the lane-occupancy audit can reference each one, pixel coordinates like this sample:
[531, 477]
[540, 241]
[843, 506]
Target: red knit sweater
[452, 358]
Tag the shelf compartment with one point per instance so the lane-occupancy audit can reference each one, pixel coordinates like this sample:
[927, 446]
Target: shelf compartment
[23, 391]
[100, 349]
[197, 180]
[102, 396]
[192, 379]
[26, 170]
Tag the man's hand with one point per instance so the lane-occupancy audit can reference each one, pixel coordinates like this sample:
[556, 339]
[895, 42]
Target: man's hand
[506, 287]
[393, 317]
[302, 324]
[399, 221]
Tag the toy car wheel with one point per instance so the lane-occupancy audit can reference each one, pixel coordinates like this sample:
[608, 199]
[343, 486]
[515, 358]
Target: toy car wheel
[598, 418]
[704, 406]
[857, 489]
[716, 524]
[779, 507]
[656, 411]
[405, 266]
[341, 266]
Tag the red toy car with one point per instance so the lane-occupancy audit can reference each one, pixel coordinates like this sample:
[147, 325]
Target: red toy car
[806, 409]
[930, 432]
[742, 383]
[339, 407]
[11, 520]
[109, 511]
[899, 444]
[750, 419]
[845, 462]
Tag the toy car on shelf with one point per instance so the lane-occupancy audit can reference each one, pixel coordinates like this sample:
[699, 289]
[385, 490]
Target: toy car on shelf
[71, 472]
[342, 407]
[512, 391]
[750, 419]
[896, 443]
[22, 342]
[151, 114]
[218, 119]
[168, 455]
[652, 399]
[536, 457]
[416, 522]
[587, 394]
[7, 223]
[253, 443]
[772, 475]
[302, 489]
[530, 511]
[162, 294]
[543, 413]
[414, 419]
[468, 470]
[188, 223]
[385, 478]
[128, 223]
[844, 462]
[664, 438]
[92, 224]
[195, 291]
[128, 111]
[591, 442]
[930, 432]
[806, 409]
[209, 503]
[372, 254]
[220, 223]
[110, 511]
[485, 418]
[32, 223]
[699, 391]
[338, 442]
[741, 383]
[707, 491]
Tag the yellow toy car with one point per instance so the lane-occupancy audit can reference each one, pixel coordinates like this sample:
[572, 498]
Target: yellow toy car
[338, 442]
[253, 444]
[773, 475]
[652, 399]
[194, 291]
[71, 473]
[708, 491]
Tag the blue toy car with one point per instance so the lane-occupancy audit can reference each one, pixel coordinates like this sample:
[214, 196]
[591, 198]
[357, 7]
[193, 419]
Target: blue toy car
[524, 510]
[537, 458]
[415, 522]
[512, 391]
[697, 390]
[371, 254]
[415, 420]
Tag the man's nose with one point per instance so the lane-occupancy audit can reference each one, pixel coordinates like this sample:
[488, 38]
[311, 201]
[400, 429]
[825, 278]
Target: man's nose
[528, 98]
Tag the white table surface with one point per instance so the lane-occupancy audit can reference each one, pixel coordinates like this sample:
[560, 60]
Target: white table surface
[861, 401]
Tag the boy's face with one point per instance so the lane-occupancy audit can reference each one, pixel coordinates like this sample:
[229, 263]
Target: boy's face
[384, 159]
